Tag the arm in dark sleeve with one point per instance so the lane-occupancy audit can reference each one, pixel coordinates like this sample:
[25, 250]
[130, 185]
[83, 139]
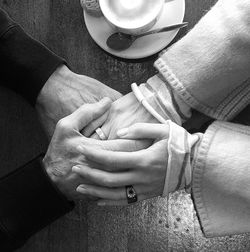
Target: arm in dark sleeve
[28, 199]
[28, 202]
[25, 63]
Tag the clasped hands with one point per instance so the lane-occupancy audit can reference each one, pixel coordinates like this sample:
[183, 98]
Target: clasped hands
[136, 152]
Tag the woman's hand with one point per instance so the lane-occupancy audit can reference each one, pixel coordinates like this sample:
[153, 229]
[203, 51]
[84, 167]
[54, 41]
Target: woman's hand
[63, 152]
[144, 169]
[123, 113]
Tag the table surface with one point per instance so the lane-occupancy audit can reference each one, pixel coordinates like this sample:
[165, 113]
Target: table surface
[151, 225]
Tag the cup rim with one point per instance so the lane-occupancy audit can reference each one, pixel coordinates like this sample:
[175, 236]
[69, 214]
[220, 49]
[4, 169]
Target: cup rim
[102, 7]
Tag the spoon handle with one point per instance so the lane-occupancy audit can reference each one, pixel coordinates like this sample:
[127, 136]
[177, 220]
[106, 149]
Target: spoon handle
[165, 29]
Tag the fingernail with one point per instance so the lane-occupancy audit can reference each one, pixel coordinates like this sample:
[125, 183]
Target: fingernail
[76, 168]
[101, 203]
[122, 132]
[80, 148]
[81, 189]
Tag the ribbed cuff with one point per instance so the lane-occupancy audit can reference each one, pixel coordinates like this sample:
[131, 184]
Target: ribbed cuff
[226, 110]
[31, 62]
[28, 202]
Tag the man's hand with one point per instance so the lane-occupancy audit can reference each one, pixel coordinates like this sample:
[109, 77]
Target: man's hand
[123, 113]
[66, 91]
[64, 150]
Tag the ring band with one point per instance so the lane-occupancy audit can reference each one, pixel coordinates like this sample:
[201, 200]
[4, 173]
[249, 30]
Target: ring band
[131, 194]
[101, 134]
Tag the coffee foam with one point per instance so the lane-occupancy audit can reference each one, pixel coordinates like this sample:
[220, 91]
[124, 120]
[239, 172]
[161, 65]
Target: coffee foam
[132, 13]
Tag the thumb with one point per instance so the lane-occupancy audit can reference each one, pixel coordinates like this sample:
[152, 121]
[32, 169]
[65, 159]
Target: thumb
[144, 131]
[88, 112]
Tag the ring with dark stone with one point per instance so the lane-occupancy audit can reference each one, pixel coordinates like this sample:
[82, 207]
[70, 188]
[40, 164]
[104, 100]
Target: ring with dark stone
[131, 194]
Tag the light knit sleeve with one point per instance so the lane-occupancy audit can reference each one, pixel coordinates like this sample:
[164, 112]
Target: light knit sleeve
[209, 68]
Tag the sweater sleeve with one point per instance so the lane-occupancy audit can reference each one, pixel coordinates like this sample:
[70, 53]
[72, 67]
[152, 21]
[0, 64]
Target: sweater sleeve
[28, 202]
[25, 63]
[221, 178]
[28, 199]
[209, 67]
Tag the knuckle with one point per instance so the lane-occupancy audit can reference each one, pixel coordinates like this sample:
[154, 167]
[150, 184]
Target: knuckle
[56, 173]
[147, 161]
[63, 124]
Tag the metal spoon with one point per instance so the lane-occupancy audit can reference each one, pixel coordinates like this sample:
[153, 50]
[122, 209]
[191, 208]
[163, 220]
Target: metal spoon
[121, 41]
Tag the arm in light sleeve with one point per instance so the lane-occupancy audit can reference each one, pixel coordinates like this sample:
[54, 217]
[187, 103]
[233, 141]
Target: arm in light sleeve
[209, 67]
[221, 179]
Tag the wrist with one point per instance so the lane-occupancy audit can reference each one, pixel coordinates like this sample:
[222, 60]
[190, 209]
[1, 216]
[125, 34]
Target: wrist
[125, 112]
[144, 100]
[50, 102]
[164, 101]
[59, 76]
[181, 150]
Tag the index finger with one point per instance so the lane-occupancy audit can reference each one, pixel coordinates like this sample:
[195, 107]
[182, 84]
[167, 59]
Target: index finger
[87, 113]
[113, 160]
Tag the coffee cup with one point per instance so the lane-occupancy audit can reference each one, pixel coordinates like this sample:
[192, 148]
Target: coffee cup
[132, 16]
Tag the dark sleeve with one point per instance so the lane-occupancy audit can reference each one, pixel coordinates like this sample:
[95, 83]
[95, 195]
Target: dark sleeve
[25, 64]
[28, 199]
[28, 202]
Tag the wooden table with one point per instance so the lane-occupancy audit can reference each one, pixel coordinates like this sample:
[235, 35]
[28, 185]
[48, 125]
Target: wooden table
[149, 226]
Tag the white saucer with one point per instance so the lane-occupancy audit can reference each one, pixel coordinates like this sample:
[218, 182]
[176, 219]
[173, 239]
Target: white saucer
[100, 30]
